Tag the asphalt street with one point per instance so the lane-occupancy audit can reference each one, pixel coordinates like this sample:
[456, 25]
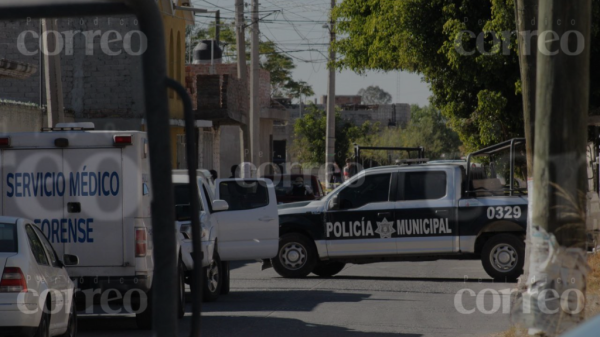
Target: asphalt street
[382, 299]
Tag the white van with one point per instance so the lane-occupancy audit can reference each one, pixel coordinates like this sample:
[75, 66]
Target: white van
[89, 192]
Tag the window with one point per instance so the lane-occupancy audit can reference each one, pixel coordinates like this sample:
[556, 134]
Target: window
[422, 185]
[244, 195]
[182, 202]
[370, 189]
[53, 257]
[8, 238]
[36, 247]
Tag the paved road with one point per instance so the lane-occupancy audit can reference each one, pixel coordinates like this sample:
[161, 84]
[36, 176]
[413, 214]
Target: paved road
[383, 299]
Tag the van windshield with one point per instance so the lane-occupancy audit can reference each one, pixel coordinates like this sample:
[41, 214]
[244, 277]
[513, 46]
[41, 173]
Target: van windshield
[8, 238]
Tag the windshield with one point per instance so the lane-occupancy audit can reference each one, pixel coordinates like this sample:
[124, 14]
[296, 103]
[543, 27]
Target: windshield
[8, 238]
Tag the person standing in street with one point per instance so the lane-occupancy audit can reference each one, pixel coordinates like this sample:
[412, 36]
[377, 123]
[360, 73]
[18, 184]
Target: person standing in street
[349, 169]
[337, 174]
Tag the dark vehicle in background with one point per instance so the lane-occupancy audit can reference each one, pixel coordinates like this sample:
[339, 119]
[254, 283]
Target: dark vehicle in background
[296, 187]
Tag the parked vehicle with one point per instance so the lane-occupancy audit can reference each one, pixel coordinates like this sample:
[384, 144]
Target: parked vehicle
[417, 212]
[239, 222]
[28, 305]
[88, 192]
[296, 187]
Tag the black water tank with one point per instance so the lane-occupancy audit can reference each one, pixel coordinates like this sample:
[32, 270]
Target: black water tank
[203, 54]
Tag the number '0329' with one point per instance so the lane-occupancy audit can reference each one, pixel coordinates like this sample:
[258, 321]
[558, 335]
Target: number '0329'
[504, 212]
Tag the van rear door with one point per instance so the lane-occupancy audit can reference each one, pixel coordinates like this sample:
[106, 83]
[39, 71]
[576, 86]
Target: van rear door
[94, 206]
[249, 229]
[33, 187]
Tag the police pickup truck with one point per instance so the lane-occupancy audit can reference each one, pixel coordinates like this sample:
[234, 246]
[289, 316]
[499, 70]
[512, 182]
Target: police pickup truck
[418, 212]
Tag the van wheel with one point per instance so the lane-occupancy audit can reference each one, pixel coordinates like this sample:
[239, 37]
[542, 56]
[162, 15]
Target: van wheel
[226, 278]
[144, 318]
[503, 257]
[43, 329]
[213, 279]
[181, 290]
[72, 325]
[297, 256]
[328, 269]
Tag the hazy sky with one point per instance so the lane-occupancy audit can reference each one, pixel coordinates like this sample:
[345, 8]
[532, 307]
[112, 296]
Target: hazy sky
[298, 30]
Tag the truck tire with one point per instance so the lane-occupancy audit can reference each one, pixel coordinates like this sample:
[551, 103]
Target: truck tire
[181, 290]
[296, 257]
[503, 256]
[144, 318]
[213, 279]
[328, 268]
[226, 279]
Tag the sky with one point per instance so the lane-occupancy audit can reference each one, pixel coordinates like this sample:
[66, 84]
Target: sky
[297, 28]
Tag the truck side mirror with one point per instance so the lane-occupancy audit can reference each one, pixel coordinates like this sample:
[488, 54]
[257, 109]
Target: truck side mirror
[220, 205]
[70, 260]
[334, 203]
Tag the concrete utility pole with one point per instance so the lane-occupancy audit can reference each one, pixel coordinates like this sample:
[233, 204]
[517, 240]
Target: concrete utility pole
[330, 140]
[242, 72]
[254, 92]
[52, 73]
[526, 12]
[562, 96]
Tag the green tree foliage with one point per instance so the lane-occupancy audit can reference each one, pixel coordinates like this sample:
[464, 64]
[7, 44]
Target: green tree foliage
[272, 59]
[427, 128]
[310, 132]
[374, 95]
[478, 91]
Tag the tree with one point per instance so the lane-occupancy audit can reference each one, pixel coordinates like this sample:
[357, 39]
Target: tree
[375, 95]
[309, 136]
[427, 128]
[475, 85]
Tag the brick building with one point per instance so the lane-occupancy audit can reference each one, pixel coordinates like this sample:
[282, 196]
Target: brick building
[224, 99]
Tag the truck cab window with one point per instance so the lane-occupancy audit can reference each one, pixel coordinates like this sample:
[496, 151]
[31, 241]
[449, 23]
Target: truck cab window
[422, 185]
[370, 189]
[242, 195]
[182, 202]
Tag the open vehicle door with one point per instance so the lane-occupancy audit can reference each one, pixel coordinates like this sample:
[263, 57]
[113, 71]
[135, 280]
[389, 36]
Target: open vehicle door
[249, 228]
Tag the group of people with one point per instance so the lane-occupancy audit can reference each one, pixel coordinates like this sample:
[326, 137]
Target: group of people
[349, 171]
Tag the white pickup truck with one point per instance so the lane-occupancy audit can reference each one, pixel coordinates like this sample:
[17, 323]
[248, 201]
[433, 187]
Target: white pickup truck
[239, 222]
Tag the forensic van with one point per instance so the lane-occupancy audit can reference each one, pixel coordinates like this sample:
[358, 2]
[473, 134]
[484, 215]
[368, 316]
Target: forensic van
[414, 212]
[89, 192]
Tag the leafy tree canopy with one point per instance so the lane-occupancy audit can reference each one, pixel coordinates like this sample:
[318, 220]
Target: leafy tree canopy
[476, 89]
[427, 128]
[374, 95]
[310, 132]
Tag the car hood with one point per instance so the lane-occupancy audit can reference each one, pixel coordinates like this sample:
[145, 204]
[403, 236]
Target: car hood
[300, 207]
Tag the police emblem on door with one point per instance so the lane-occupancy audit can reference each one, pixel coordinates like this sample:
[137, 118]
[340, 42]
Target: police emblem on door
[385, 229]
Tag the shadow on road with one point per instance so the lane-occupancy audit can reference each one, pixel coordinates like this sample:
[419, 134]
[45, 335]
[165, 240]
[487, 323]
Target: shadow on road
[216, 326]
[281, 300]
[420, 279]
[239, 264]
